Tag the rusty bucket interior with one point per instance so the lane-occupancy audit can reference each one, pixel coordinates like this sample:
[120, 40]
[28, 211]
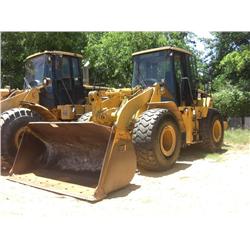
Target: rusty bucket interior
[83, 160]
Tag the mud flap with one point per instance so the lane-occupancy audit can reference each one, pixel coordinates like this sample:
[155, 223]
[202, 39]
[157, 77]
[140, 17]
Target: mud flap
[83, 160]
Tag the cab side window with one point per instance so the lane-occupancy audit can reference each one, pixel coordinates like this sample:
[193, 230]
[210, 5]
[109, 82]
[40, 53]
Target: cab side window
[178, 69]
[193, 71]
[65, 68]
[66, 77]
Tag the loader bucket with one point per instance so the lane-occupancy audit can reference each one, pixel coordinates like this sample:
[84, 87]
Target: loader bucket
[83, 160]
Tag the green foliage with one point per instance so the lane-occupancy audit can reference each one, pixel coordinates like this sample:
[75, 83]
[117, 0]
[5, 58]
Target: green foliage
[222, 44]
[226, 42]
[235, 68]
[110, 54]
[233, 84]
[16, 46]
[232, 101]
[229, 71]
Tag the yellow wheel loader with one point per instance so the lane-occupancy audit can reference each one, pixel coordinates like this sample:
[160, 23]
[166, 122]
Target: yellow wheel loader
[141, 127]
[53, 90]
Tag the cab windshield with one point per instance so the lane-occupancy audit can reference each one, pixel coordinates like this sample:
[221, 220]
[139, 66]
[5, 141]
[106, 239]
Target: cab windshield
[36, 69]
[151, 68]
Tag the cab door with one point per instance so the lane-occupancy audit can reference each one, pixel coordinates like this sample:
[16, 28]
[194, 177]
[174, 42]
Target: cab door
[78, 89]
[183, 79]
[63, 80]
[47, 94]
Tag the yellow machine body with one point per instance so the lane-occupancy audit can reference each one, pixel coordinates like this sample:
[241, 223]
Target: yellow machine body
[13, 99]
[91, 158]
[51, 154]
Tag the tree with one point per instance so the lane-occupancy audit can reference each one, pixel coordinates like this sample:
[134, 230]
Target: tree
[228, 70]
[234, 69]
[222, 44]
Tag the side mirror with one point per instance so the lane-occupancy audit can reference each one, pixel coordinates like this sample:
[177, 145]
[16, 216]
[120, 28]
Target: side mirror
[49, 59]
[85, 73]
[47, 81]
[7, 87]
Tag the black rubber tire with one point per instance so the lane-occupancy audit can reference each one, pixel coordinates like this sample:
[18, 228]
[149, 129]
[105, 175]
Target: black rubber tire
[146, 139]
[85, 117]
[206, 131]
[11, 121]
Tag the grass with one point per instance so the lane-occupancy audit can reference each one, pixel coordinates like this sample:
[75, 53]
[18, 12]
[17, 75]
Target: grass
[237, 136]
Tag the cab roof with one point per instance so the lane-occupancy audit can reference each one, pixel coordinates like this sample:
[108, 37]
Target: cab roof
[55, 52]
[160, 49]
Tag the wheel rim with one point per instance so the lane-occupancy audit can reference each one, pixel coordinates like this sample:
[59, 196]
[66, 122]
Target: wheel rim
[168, 140]
[18, 136]
[217, 131]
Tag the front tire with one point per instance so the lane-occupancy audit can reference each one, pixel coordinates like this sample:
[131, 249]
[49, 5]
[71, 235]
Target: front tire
[13, 124]
[157, 140]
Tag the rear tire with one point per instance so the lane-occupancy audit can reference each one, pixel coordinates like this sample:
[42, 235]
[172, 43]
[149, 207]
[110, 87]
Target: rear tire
[85, 117]
[212, 131]
[157, 140]
[13, 123]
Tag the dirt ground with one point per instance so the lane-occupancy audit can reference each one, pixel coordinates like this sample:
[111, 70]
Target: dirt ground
[197, 185]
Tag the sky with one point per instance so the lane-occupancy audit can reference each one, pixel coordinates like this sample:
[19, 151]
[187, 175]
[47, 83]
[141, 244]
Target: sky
[202, 34]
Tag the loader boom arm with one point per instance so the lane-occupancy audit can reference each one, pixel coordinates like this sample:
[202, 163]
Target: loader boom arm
[118, 108]
[126, 112]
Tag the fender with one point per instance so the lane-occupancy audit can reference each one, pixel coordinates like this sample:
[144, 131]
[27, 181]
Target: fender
[41, 110]
[171, 106]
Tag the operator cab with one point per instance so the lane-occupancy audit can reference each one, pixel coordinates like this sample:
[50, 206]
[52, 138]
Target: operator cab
[172, 67]
[60, 75]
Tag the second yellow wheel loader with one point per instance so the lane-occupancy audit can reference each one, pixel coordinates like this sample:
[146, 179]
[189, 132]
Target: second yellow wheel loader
[53, 91]
[142, 127]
